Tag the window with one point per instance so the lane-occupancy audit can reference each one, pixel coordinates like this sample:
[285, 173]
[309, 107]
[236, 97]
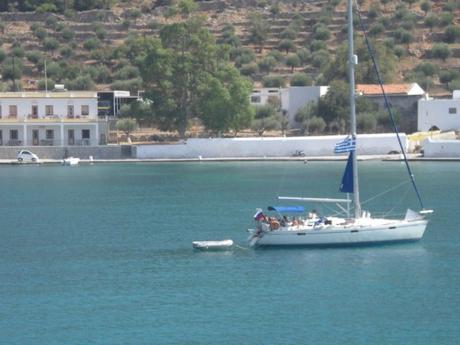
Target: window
[49, 134]
[1, 137]
[13, 111]
[452, 110]
[84, 110]
[14, 134]
[255, 99]
[70, 111]
[49, 110]
[0, 111]
[85, 133]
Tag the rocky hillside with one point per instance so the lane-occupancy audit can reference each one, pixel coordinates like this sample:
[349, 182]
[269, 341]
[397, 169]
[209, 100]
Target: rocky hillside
[272, 43]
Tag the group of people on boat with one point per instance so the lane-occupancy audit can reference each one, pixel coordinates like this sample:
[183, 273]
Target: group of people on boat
[285, 221]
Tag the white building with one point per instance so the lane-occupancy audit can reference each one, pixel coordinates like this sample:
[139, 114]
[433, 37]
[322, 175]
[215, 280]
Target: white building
[443, 114]
[291, 99]
[63, 118]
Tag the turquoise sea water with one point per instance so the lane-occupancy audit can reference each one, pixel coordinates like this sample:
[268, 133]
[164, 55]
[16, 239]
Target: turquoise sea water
[102, 255]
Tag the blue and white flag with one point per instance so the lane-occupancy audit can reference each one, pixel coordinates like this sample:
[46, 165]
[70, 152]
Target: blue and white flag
[346, 145]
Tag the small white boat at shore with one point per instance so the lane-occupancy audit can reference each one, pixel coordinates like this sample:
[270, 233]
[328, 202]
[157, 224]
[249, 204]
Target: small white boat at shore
[212, 245]
[71, 161]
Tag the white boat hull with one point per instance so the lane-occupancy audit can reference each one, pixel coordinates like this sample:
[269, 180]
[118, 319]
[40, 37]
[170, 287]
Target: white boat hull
[212, 245]
[391, 232]
[71, 161]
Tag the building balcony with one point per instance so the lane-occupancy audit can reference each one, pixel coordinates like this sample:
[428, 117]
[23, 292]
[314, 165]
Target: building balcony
[48, 119]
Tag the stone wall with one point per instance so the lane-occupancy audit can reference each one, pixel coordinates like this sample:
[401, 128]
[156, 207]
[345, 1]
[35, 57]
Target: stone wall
[58, 152]
[368, 144]
[441, 148]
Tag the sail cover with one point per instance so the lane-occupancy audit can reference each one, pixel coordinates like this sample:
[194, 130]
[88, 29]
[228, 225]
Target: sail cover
[286, 209]
[347, 179]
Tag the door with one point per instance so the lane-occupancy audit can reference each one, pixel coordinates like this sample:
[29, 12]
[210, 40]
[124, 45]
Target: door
[70, 137]
[35, 111]
[35, 137]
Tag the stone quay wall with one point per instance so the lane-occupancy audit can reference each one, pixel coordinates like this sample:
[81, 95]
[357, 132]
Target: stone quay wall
[58, 152]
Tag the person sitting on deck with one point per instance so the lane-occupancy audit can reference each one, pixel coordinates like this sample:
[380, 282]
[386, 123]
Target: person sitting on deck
[284, 221]
[312, 214]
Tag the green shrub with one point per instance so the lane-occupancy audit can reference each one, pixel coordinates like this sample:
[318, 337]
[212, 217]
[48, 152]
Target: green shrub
[451, 34]
[50, 44]
[243, 56]
[289, 33]
[316, 125]
[46, 7]
[60, 26]
[286, 45]
[321, 33]
[130, 84]
[47, 84]
[447, 76]
[320, 58]
[267, 64]
[82, 82]
[272, 81]
[127, 72]
[376, 30]
[316, 45]
[2, 55]
[431, 21]
[301, 79]
[66, 52]
[440, 51]
[446, 19]
[385, 21]
[53, 70]
[40, 32]
[275, 8]
[51, 22]
[366, 123]
[374, 11]
[401, 12]
[35, 57]
[127, 125]
[400, 52]
[408, 22]
[276, 54]
[153, 24]
[100, 32]
[249, 69]
[18, 52]
[91, 44]
[427, 69]
[454, 85]
[403, 36]
[304, 55]
[425, 6]
[103, 75]
[8, 72]
[67, 34]
[293, 61]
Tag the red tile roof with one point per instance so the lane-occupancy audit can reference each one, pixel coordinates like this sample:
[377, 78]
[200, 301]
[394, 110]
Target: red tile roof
[390, 89]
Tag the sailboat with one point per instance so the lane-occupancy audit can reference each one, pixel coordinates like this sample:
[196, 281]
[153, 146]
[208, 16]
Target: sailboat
[358, 226]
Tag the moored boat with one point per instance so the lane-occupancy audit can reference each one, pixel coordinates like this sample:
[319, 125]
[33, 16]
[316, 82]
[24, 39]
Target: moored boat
[71, 161]
[212, 245]
[356, 226]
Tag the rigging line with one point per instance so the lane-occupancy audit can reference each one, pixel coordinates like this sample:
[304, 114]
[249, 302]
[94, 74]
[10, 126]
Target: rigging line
[398, 203]
[385, 192]
[387, 104]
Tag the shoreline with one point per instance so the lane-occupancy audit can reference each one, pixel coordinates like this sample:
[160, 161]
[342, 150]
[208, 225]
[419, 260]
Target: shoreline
[306, 159]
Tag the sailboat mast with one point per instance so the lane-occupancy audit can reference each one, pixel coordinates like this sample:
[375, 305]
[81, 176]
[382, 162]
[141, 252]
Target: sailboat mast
[352, 60]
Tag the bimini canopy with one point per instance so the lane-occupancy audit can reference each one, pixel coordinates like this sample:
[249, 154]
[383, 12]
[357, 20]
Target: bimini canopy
[287, 209]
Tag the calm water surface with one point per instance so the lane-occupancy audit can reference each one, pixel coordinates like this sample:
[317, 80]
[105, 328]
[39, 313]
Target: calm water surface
[102, 255]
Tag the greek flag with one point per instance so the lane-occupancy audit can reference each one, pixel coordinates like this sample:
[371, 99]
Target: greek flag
[346, 145]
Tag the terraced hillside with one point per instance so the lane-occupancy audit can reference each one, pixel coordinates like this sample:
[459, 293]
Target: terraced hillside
[272, 43]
